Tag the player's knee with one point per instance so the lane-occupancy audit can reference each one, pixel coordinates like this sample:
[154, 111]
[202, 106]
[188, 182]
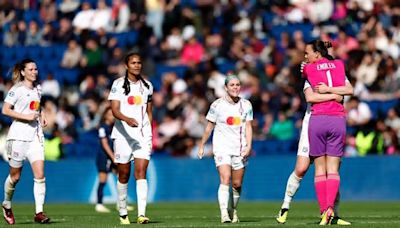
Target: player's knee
[123, 177]
[140, 174]
[15, 177]
[236, 185]
[301, 171]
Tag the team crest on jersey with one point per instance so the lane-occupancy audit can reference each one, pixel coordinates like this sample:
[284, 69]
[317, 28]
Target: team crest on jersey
[11, 93]
[113, 90]
[219, 158]
[34, 105]
[15, 154]
[117, 156]
[134, 100]
[233, 120]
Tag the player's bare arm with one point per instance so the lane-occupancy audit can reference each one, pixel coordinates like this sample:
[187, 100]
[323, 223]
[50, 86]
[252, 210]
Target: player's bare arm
[347, 89]
[313, 97]
[106, 147]
[9, 111]
[115, 107]
[249, 137]
[207, 132]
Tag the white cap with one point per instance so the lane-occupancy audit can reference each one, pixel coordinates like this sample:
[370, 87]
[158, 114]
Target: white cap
[179, 86]
[188, 32]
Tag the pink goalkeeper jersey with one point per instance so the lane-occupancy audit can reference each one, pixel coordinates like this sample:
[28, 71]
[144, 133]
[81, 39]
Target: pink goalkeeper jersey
[332, 73]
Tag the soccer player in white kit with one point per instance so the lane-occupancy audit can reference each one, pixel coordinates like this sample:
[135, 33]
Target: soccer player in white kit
[303, 161]
[25, 138]
[131, 104]
[230, 117]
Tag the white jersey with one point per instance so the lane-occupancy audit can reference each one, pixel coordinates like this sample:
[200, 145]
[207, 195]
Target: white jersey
[230, 125]
[26, 101]
[133, 105]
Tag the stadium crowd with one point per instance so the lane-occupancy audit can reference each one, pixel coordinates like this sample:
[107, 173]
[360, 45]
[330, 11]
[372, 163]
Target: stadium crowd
[188, 46]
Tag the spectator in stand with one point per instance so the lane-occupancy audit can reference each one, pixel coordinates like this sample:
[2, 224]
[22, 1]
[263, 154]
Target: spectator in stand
[11, 35]
[115, 63]
[393, 121]
[92, 59]
[51, 87]
[67, 8]
[83, 18]
[34, 35]
[193, 51]
[282, 128]
[155, 16]
[102, 17]
[48, 11]
[22, 32]
[64, 33]
[72, 55]
[368, 69]
[358, 113]
[120, 16]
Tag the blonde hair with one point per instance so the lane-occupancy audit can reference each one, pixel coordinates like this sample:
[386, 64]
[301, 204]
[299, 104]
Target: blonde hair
[18, 67]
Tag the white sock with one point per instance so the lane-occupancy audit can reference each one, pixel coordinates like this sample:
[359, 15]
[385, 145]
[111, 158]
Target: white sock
[9, 188]
[141, 192]
[39, 191]
[122, 190]
[236, 197]
[223, 198]
[336, 204]
[292, 185]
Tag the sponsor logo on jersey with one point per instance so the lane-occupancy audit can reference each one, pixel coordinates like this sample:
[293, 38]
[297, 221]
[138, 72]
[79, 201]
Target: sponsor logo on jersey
[233, 120]
[134, 100]
[34, 105]
[11, 93]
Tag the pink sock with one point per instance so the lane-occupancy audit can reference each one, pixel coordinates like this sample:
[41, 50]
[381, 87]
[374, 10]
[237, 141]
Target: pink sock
[332, 188]
[320, 189]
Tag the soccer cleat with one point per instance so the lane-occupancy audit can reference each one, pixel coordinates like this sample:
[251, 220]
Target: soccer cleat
[143, 220]
[282, 215]
[41, 218]
[225, 219]
[101, 208]
[124, 220]
[327, 217]
[8, 216]
[235, 218]
[340, 222]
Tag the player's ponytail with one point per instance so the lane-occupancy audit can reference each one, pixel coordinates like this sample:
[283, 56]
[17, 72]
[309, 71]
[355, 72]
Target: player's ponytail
[17, 69]
[322, 47]
[126, 85]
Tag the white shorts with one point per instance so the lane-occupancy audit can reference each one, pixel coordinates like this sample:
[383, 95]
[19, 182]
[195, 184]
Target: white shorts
[303, 148]
[127, 150]
[236, 162]
[18, 151]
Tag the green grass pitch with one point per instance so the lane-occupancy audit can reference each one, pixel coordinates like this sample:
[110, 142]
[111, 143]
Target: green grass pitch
[193, 214]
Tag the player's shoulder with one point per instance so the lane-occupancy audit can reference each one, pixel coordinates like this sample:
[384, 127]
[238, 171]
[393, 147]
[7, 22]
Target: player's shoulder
[119, 80]
[18, 87]
[245, 101]
[217, 102]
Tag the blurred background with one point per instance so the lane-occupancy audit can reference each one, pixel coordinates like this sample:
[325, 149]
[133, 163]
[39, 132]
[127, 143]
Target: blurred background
[187, 48]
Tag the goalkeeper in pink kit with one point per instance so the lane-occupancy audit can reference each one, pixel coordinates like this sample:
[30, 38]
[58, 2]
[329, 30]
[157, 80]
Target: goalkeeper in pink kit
[327, 126]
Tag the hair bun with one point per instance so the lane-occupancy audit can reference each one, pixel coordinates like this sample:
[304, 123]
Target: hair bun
[327, 44]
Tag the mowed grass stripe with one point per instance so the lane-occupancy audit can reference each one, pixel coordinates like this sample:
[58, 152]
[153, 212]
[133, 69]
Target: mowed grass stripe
[197, 214]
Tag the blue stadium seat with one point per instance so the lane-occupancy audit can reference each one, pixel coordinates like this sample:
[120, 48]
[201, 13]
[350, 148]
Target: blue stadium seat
[20, 52]
[34, 52]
